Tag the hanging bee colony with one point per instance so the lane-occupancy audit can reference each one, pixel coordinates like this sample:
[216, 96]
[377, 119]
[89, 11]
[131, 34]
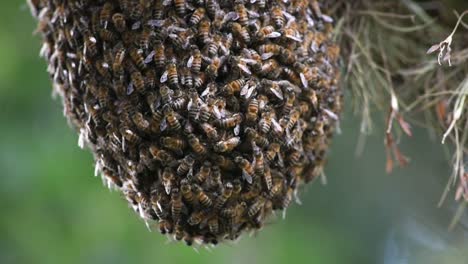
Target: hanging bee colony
[207, 115]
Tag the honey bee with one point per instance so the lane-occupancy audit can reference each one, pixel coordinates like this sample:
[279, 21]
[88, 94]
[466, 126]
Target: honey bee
[179, 230]
[277, 16]
[119, 22]
[252, 111]
[259, 161]
[199, 80]
[103, 68]
[181, 8]
[204, 29]
[212, 7]
[242, 14]
[165, 226]
[233, 87]
[179, 103]
[161, 154]
[197, 16]
[140, 121]
[267, 32]
[166, 94]
[196, 217]
[138, 81]
[213, 45]
[186, 191]
[213, 68]
[204, 173]
[137, 57]
[295, 157]
[256, 206]
[269, 50]
[173, 143]
[159, 55]
[247, 168]
[265, 122]
[176, 204]
[206, 110]
[307, 75]
[166, 179]
[213, 225]
[172, 74]
[145, 37]
[240, 32]
[227, 145]
[267, 178]
[171, 118]
[150, 79]
[186, 166]
[271, 69]
[225, 195]
[226, 44]
[215, 180]
[272, 151]
[136, 10]
[117, 66]
[294, 116]
[230, 122]
[210, 131]
[291, 76]
[202, 197]
[195, 61]
[196, 145]
[286, 56]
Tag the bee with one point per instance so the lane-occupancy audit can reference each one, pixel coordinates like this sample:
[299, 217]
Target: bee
[295, 157]
[173, 143]
[136, 10]
[158, 10]
[259, 161]
[233, 87]
[117, 66]
[107, 35]
[271, 68]
[225, 195]
[267, 178]
[196, 145]
[265, 122]
[215, 180]
[291, 76]
[180, 7]
[286, 56]
[199, 80]
[272, 151]
[150, 78]
[186, 191]
[202, 197]
[118, 20]
[269, 50]
[252, 110]
[243, 17]
[213, 45]
[277, 16]
[186, 166]
[307, 75]
[196, 217]
[166, 94]
[276, 188]
[138, 81]
[206, 110]
[145, 37]
[247, 168]
[176, 204]
[195, 61]
[212, 7]
[204, 172]
[214, 66]
[165, 226]
[240, 32]
[230, 122]
[172, 74]
[103, 96]
[103, 69]
[167, 179]
[160, 154]
[226, 44]
[171, 118]
[227, 145]
[213, 225]
[140, 121]
[197, 16]
[210, 131]
[224, 163]
[179, 103]
[256, 206]
[204, 29]
[159, 55]
[267, 32]
[179, 230]
[293, 117]
[137, 57]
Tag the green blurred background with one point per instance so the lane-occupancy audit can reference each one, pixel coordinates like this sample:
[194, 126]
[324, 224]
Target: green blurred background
[53, 210]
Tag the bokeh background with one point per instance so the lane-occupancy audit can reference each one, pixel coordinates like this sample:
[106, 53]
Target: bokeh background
[53, 210]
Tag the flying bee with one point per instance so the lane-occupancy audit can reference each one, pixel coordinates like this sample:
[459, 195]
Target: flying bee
[196, 217]
[196, 145]
[202, 197]
[186, 166]
[230, 122]
[252, 111]
[267, 32]
[176, 204]
[240, 32]
[171, 118]
[137, 57]
[118, 20]
[204, 29]
[167, 179]
[213, 225]
[138, 81]
[225, 195]
[186, 191]
[227, 145]
[233, 87]
[277, 16]
[160, 154]
[204, 172]
[173, 143]
[180, 7]
[197, 16]
[247, 168]
[210, 131]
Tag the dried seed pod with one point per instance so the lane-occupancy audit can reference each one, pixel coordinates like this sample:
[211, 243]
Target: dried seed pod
[189, 106]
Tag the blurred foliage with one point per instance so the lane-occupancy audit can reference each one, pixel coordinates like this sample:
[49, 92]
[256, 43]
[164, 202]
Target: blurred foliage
[55, 211]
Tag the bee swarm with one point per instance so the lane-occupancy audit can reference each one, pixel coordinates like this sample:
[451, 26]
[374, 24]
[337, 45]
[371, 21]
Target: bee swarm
[207, 115]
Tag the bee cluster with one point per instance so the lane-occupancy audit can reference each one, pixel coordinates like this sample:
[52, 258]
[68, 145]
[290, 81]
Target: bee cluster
[206, 114]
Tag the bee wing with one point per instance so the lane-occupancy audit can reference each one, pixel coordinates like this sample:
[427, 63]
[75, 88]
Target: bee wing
[136, 25]
[130, 88]
[247, 176]
[304, 81]
[163, 125]
[294, 37]
[266, 56]
[277, 93]
[273, 35]
[150, 57]
[244, 68]
[164, 77]
[237, 130]
[190, 61]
